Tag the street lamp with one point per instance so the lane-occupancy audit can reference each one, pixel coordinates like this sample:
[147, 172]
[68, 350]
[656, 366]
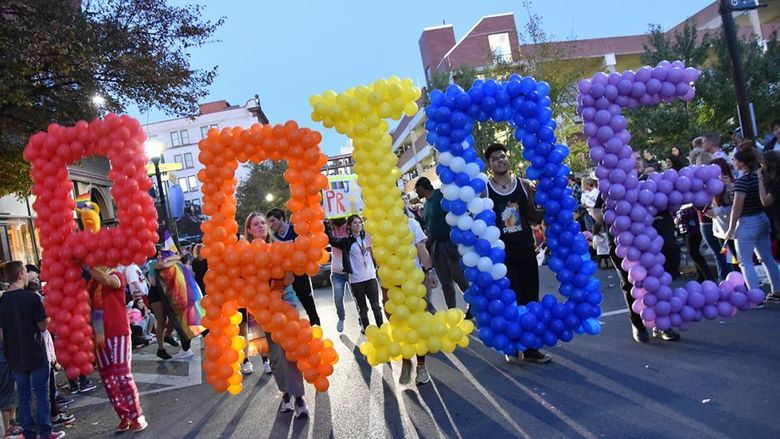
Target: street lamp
[99, 101]
[153, 150]
[269, 197]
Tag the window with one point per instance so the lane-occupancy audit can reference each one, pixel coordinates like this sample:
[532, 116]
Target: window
[183, 184]
[185, 137]
[215, 126]
[175, 140]
[204, 131]
[177, 158]
[153, 137]
[188, 160]
[500, 47]
[193, 182]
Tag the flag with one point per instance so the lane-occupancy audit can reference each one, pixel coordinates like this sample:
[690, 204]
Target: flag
[169, 244]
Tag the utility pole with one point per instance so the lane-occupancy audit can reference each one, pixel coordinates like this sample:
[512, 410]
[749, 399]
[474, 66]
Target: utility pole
[727, 7]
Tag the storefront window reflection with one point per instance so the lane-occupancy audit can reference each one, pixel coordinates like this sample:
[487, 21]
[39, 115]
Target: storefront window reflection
[19, 242]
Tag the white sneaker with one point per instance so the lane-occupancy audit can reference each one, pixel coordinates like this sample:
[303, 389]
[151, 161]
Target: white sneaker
[183, 355]
[513, 359]
[247, 368]
[340, 326]
[406, 372]
[267, 368]
[422, 375]
[287, 406]
[301, 409]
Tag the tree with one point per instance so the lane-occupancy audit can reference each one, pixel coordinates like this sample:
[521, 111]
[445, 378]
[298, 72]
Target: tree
[714, 107]
[264, 178]
[57, 55]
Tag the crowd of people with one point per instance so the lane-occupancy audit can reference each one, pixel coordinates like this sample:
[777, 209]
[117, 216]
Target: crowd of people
[135, 309]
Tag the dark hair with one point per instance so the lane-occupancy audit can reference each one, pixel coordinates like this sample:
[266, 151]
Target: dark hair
[597, 228]
[747, 154]
[276, 213]
[421, 182]
[33, 268]
[725, 169]
[771, 171]
[12, 270]
[775, 123]
[248, 223]
[493, 147]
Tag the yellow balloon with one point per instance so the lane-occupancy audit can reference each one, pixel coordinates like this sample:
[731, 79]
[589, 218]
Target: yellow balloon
[235, 389]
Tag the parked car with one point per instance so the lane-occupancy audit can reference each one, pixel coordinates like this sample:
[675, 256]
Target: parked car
[322, 279]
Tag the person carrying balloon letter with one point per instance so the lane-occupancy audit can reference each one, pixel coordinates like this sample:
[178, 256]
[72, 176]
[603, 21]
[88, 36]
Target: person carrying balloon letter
[446, 260]
[113, 346]
[515, 211]
[423, 261]
[288, 378]
[358, 261]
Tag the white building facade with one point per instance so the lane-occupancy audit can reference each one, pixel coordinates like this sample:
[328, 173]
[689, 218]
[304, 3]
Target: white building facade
[181, 136]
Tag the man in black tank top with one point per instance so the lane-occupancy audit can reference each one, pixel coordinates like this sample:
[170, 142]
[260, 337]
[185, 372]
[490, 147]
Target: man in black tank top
[515, 210]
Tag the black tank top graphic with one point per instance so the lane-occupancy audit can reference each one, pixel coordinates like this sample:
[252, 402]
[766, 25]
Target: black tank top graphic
[511, 218]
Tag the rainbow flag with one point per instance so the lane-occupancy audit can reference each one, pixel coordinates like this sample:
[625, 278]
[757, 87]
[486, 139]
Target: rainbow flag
[183, 296]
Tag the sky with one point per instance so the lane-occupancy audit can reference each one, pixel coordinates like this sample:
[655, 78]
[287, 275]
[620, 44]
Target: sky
[286, 51]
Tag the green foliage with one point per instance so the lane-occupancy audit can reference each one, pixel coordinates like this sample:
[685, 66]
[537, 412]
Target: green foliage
[714, 107]
[264, 178]
[58, 54]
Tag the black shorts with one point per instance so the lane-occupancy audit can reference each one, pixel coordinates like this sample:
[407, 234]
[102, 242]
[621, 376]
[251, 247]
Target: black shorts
[154, 295]
[7, 388]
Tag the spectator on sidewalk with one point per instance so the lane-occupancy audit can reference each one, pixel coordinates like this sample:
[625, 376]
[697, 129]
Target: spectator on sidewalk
[446, 259]
[588, 199]
[22, 323]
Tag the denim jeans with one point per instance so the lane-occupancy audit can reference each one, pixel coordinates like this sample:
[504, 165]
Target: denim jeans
[752, 235]
[339, 282]
[715, 245]
[34, 381]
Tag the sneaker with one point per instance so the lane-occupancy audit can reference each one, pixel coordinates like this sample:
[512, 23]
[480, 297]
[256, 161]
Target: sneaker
[15, 432]
[773, 298]
[63, 400]
[53, 435]
[139, 424]
[667, 335]
[287, 404]
[340, 325]
[162, 353]
[640, 335]
[183, 355]
[247, 368]
[123, 426]
[267, 368]
[536, 356]
[300, 408]
[171, 341]
[63, 419]
[87, 386]
[512, 359]
[406, 371]
[422, 375]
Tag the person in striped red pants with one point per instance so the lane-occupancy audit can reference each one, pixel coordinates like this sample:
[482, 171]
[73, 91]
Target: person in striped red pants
[113, 346]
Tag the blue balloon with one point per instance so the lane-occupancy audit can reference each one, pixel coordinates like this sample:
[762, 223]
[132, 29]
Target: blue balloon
[469, 155]
[456, 235]
[482, 246]
[458, 207]
[437, 97]
[486, 334]
[493, 292]
[591, 326]
[498, 323]
[497, 255]
[446, 175]
[527, 85]
[462, 179]
[500, 342]
[471, 274]
[468, 238]
[462, 101]
[478, 185]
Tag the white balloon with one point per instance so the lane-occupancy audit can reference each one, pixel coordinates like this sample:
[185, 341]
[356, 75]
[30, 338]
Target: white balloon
[475, 205]
[491, 234]
[471, 259]
[488, 204]
[499, 244]
[467, 193]
[451, 192]
[465, 144]
[451, 218]
[445, 158]
[462, 249]
[464, 222]
[478, 227]
[485, 264]
[472, 169]
[482, 176]
[457, 164]
[498, 271]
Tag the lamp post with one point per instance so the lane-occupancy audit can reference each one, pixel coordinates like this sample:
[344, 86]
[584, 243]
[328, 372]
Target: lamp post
[153, 151]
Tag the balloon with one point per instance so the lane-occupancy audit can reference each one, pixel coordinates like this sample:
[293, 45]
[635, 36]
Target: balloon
[630, 205]
[251, 275]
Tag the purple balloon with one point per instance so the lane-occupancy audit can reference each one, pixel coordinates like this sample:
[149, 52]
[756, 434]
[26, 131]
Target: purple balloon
[739, 300]
[629, 75]
[690, 74]
[597, 153]
[643, 74]
[660, 201]
[675, 199]
[676, 320]
[714, 187]
[725, 309]
[688, 314]
[664, 293]
[610, 92]
[618, 123]
[735, 278]
[659, 73]
[700, 199]
[614, 78]
[681, 89]
[648, 314]
[602, 117]
[609, 160]
[637, 306]
[676, 304]
[638, 90]
[597, 90]
[755, 296]
[687, 97]
[668, 90]
[710, 312]
[601, 103]
[587, 100]
[674, 75]
[588, 114]
[624, 87]
[665, 187]
[600, 78]
[617, 176]
[604, 133]
[683, 183]
[663, 323]
[590, 129]
[653, 86]
[584, 86]
[662, 308]
[645, 197]
[650, 299]
[633, 253]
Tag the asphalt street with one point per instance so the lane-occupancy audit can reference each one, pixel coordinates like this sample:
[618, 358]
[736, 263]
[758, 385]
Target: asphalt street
[719, 381]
